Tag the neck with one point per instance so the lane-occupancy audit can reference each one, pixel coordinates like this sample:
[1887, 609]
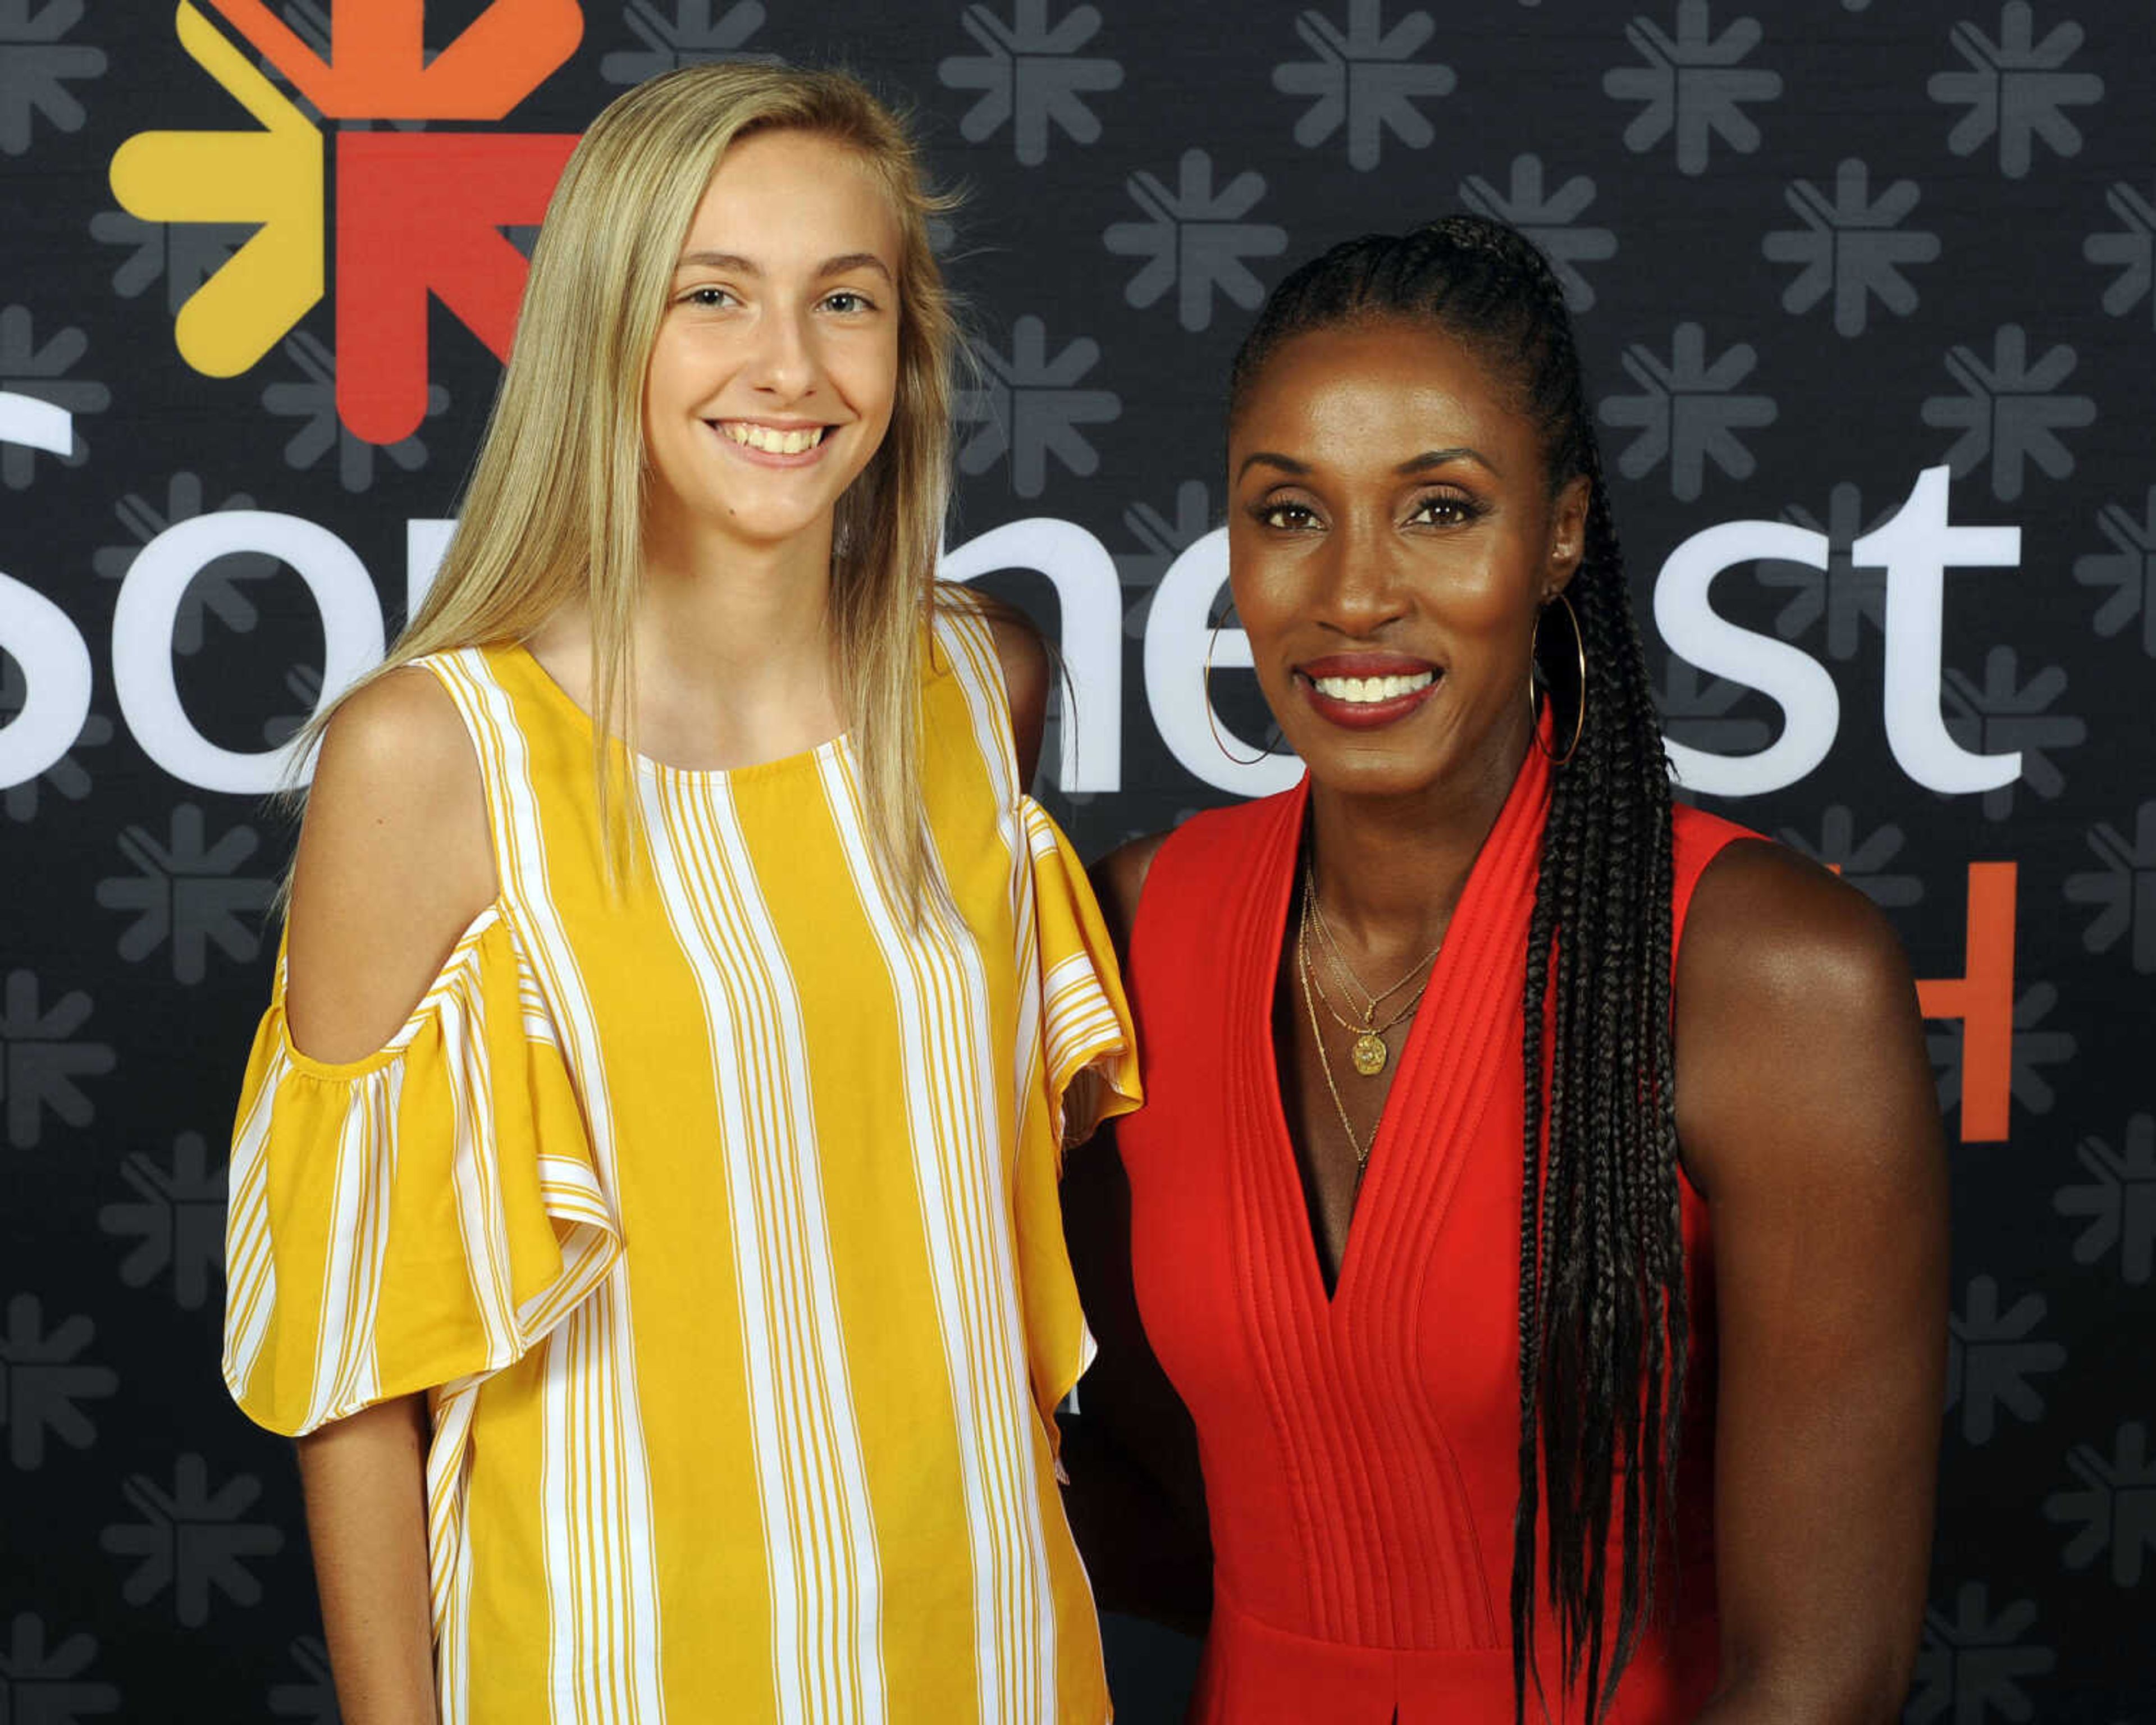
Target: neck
[755, 619]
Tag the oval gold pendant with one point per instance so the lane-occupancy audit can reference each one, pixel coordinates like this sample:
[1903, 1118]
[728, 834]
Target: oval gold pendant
[1370, 1054]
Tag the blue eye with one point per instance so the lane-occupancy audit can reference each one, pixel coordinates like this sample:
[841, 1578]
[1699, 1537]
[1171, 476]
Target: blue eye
[847, 300]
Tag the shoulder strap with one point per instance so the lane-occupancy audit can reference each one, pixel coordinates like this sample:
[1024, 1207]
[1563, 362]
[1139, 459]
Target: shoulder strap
[962, 646]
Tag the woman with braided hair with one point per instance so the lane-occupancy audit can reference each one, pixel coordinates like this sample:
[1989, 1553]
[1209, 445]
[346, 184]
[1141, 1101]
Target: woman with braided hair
[1540, 1205]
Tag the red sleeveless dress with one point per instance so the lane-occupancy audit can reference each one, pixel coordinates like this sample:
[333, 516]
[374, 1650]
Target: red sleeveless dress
[1360, 1453]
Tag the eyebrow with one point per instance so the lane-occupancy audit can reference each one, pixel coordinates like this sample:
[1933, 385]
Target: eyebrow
[733, 264]
[1414, 464]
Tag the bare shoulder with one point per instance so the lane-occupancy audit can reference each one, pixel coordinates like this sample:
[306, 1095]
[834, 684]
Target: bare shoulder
[1797, 1021]
[1023, 656]
[393, 863]
[1119, 879]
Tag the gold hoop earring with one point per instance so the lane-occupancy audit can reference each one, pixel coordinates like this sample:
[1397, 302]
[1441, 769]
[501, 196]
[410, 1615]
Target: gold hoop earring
[1579, 711]
[1213, 724]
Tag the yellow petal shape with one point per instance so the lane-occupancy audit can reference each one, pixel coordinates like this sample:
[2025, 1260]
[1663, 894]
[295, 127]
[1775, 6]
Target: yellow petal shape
[274, 176]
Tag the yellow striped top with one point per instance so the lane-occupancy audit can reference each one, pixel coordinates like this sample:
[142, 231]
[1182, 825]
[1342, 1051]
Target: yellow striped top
[717, 1215]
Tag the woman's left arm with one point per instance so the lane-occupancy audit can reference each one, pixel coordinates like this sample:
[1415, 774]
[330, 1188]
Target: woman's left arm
[1808, 1118]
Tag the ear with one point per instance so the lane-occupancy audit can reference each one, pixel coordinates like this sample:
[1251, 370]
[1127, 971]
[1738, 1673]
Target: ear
[1567, 534]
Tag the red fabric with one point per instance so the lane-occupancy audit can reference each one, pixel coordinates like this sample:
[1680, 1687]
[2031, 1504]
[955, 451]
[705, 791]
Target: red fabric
[1360, 1453]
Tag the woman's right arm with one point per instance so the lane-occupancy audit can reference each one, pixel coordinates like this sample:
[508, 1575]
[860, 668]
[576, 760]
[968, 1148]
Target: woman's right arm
[394, 864]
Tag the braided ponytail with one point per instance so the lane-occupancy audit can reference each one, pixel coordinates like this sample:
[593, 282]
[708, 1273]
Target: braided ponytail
[1603, 1320]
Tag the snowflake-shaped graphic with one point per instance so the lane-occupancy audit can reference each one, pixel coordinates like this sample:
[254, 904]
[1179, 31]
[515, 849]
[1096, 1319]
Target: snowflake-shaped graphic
[1972, 1664]
[41, 372]
[313, 22]
[1161, 540]
[313, 400]
[1365, 78]
[2011, 410]
[1551, 219]
[2115, 1505]
[1992, 1355]
[41, 1057]
[2118, 1199]
[2124, 890]
[2016, 89]
[46, 1684]
[192, 1540]
[2128, 569]
[697, 32]
[1687, 411]
[303, 683]
[1029, 74]
[1846, 594]
[2131, 252]
[313, 1698]
[216, 590]
[2035, 1048]
[1862, 862]
[2002, 715]
[67, 775]
[42, 1375]
[183, 255]
[1033, 407]
[176, 1219]
[1195, 239]
[1697, 712]
[37, 66]
[1852, 246]
[187, 892]
[1694, 85]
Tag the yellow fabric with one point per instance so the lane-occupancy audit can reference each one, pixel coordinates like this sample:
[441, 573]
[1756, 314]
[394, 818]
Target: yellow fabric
[718, 1215]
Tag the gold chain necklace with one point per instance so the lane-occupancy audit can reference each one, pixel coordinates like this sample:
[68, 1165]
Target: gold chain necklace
[1370, 1052]
[1325, 1065]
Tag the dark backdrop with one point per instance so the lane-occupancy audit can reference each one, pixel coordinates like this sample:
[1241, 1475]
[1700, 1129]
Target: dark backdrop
[1815, 251]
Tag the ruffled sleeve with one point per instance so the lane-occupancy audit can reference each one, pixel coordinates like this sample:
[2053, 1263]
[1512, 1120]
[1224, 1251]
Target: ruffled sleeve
[1085, 1070]
[418, 1217]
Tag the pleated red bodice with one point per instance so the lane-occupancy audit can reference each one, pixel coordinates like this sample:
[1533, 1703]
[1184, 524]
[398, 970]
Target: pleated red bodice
[1360, 1453]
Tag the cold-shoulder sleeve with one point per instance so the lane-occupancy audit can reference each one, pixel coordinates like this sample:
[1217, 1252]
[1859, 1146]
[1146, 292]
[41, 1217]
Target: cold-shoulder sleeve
[418, 1217]
[1086, 1071]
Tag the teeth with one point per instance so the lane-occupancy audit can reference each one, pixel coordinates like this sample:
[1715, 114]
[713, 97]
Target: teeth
[771, 440]
[1372, 689]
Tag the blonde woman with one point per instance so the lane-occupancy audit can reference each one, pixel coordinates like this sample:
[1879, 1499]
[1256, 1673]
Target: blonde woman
[642, 1195]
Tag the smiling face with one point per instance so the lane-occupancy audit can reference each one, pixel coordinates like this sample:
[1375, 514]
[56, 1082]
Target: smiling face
[771, 381]
[1392, 535]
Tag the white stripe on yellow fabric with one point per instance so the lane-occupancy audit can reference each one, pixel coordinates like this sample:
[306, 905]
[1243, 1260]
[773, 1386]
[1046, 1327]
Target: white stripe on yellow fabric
[251, 1291]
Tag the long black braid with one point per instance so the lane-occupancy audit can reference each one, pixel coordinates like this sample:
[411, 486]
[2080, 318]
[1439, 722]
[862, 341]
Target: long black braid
[1603, 1316]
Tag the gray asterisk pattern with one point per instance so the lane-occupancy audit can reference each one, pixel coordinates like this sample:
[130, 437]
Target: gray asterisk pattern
[1195, 239]
[1972, 1664]
[183, 255]
[37, 66]
[2016, 89]
[1030, 76]
[313, 1697]
[28, 367]
[1846, 594]
[1687, 411]
[2123, 889]
[2035, 1048]
[187, 892]
[2128, 569]
[218, 591]
[2002, 714]
[175, 1220]
[1862, 862]
[313, 401]
[67, 776]
[42, 1055]
[1699, 713]
[44, 1683]
[1364, 78]
[43, 1376]
[694, 32]
[1552, 219]
[2010, 409]
[2113, 1507]
[2117, 1201]
[2131, 252]
[1851, 246]
[191, 1540]
[1694, 86]
[1991, 1357]
[1161, 538]
[1032, 407]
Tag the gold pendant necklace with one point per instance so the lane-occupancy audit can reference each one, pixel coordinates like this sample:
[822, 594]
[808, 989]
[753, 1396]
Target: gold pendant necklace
[1369, 1053]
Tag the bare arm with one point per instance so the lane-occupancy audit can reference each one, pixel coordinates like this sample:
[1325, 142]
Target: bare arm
[1808, 1118]
[393, 863]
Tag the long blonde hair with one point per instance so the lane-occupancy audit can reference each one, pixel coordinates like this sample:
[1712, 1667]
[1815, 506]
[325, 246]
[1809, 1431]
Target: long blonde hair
[554, 511]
